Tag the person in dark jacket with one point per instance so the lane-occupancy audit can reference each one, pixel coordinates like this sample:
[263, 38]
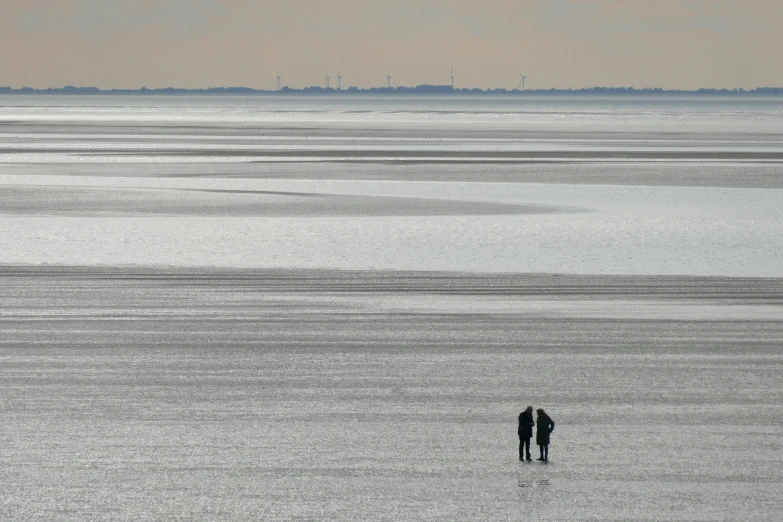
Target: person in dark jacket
[525, 432]
[545, 426]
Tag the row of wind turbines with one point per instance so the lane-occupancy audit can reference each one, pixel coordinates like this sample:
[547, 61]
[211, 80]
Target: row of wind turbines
[521, 86]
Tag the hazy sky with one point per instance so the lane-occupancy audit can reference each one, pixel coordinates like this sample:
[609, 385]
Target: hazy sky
[560, 43]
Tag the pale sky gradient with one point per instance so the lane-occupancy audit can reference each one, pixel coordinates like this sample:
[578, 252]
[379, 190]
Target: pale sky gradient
[677, 44]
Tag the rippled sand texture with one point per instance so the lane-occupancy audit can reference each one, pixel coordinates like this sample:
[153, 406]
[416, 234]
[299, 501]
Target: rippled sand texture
[228, 394]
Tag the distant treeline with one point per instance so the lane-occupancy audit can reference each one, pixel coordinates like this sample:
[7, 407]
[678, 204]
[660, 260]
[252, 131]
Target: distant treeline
[419, 89]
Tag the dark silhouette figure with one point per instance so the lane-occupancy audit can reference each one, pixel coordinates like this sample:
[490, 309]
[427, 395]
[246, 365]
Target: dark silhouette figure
[545, 426]
[525, 432]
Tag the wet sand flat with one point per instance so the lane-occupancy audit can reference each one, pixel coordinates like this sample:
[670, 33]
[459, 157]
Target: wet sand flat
[700, 174]
[321, 308]
[278, 394]
[413, 155]
[60, 200]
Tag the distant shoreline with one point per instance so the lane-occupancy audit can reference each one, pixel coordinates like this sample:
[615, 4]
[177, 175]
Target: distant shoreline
[431, 90]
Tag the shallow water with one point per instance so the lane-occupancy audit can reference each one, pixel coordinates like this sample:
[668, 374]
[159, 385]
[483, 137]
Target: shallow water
[564, 185]
[321, 308]
[408, 225]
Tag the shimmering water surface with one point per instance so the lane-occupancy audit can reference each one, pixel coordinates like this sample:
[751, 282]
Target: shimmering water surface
[604, 185]
[335, 308]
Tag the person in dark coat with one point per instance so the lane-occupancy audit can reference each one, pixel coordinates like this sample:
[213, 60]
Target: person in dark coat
[525, 432]
[545, 426]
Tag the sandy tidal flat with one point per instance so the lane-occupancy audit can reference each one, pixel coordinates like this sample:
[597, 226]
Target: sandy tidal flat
[274, 308]
[234, 394]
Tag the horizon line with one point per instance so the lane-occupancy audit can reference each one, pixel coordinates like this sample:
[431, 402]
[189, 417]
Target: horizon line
[401, 89]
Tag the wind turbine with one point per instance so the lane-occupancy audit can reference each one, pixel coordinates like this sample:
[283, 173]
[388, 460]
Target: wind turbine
[327, 80]
[452, 77]
[278, 81]
[522, 78]
[339, 82]
[388, 81]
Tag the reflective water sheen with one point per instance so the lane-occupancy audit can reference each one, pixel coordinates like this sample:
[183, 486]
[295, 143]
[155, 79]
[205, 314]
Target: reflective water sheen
[229, 308]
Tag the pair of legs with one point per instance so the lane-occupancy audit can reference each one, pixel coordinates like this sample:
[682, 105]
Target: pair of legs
[524, 448]
[544, 449]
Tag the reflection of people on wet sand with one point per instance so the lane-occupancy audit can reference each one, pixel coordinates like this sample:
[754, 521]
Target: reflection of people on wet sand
[525, 432]
[545, 426]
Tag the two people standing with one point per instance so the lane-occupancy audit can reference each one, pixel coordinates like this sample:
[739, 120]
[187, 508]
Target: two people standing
[545, 426]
